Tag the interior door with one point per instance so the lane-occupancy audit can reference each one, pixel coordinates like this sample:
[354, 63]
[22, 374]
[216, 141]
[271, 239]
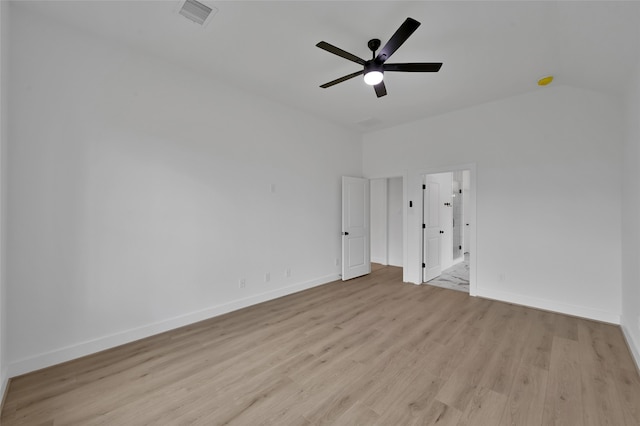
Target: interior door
[431, 231]
[355, 228]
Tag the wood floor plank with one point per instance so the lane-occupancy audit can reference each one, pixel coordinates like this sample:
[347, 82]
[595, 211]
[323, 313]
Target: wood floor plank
[599, 392]
[370, 351]
[384, 383]
[358, 415]
[324, 404]
[525, 404]
[628, 385]
[501, 369]
[486, 408]
[537, 351]
[410, 399]
[444, 360]
[434, 413]
[460, 388]
[566, 327]
[563, 403]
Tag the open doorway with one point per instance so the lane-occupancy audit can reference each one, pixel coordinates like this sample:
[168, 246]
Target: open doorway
[445, 230]
[387, 222]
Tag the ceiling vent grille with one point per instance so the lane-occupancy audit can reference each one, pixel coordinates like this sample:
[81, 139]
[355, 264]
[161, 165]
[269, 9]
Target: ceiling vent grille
[195, 11]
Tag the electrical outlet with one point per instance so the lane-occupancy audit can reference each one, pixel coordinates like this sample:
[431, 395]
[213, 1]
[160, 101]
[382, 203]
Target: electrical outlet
[287, 273]
[242, 283]
[267, 277]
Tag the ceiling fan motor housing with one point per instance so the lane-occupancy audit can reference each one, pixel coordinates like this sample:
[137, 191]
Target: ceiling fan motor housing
[373, 65]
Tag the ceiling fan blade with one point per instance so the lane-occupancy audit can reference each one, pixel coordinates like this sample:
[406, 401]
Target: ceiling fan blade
[380, 89]
[341, 79]
[414, 67]
[337, 51]
[397, 39]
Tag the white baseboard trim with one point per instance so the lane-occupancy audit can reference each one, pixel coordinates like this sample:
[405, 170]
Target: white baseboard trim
[633, 345]
[89, 347]
[4, 387]
[550, 305]
[379, 260]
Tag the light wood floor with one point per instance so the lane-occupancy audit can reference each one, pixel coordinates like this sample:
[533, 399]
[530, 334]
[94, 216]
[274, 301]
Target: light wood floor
[372, 351]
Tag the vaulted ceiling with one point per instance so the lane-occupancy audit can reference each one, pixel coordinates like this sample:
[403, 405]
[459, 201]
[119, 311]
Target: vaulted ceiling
[490, 50]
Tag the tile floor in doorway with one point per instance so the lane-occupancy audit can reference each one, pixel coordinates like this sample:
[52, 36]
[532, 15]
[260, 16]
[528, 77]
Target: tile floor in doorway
[455, 278]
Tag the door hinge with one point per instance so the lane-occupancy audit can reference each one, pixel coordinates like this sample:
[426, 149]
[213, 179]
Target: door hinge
[460, 191]
[424, 226]
[460, 247]
[424, 186]
[424, 265]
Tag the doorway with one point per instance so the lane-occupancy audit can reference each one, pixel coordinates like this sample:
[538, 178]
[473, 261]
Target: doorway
[446, 249]
[387, 221]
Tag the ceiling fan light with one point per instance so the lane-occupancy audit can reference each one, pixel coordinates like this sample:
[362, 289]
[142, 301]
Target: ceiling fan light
[373, 77]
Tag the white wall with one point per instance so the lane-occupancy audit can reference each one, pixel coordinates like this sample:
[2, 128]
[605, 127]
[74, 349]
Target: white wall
[378, 219]
[4, 115]
[394, 209]
[630, 224]
[548, 170]
[140, 194]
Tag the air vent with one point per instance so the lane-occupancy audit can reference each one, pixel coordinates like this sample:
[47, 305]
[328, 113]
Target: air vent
[196, 11]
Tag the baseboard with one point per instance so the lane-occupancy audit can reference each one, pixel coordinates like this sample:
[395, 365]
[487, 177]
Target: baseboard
[379, 260]
[4, 387]
[634, 346]
[550, 305]
[71, 352]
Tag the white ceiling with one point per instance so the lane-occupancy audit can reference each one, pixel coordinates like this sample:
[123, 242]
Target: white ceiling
[490, 50]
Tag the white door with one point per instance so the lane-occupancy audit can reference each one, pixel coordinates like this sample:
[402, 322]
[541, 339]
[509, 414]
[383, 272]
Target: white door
[431, 231]
[355, 228]
[446, 220]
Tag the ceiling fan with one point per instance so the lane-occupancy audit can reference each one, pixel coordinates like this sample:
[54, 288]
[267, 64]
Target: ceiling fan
[374, 68]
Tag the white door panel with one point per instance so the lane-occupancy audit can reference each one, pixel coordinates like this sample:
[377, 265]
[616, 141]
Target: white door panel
[355, 228]
[431, 232]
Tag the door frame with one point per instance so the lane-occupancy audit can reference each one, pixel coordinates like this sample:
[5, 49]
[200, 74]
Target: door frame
[473, 254]
[383, 260]
[405, 229]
